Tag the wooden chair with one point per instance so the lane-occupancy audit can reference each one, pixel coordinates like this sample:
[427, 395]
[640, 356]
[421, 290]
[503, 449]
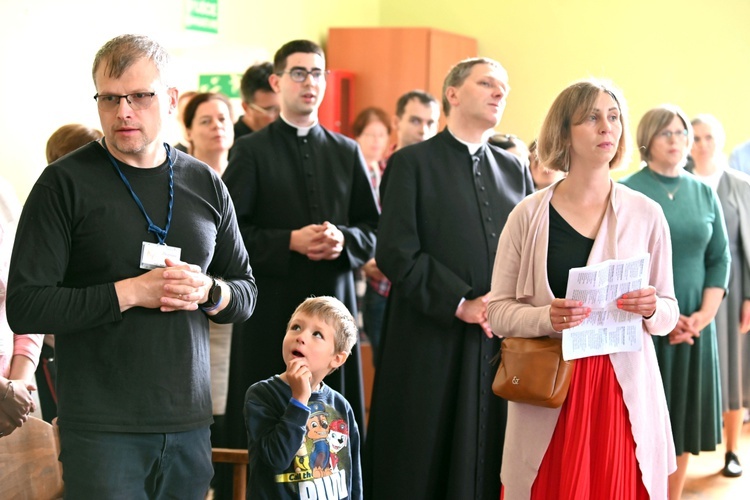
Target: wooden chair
[29, 469]
[239, 460]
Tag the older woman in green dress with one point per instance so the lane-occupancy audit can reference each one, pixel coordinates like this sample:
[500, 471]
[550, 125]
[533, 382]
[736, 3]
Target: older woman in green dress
[688, 356]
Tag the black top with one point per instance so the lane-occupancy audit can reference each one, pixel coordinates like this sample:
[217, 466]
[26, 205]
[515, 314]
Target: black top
[141, 370]
[279, 182]
[241, 128]
[567, 249]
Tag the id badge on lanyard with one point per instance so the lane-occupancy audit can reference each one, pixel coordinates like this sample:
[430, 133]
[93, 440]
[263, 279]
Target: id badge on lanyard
[153, 255]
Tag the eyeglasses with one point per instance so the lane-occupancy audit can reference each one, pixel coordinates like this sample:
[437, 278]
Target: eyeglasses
[299, 75]
[137, 100]
[270, 111]
[678, 134]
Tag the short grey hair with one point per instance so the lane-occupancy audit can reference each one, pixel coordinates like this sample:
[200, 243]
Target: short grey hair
[121, 52]
[458, 74]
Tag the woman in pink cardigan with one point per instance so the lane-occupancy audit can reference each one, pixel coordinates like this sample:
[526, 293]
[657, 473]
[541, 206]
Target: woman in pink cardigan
[19, 354]
[612, 437]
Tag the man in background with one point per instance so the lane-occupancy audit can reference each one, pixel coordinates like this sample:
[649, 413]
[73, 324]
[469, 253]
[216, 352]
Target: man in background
[416, 120]
[445, 202]
[307, 213]
[259, 102]
[140, 246]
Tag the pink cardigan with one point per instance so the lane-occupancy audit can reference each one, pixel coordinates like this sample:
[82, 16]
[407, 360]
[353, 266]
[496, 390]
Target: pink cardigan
[519, 307]
[10, 344]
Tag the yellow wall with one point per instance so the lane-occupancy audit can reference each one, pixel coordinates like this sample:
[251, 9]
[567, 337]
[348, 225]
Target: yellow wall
[692, 53]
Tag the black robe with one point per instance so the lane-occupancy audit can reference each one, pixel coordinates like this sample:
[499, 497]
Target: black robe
[436, 429]
[280, 182]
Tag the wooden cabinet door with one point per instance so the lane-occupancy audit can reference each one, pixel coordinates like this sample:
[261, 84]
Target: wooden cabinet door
[388, 62]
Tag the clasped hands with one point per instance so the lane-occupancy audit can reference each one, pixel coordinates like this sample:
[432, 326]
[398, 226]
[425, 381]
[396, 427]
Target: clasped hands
[15, 408]
[318, 241]
[177, 287]
[688, 328]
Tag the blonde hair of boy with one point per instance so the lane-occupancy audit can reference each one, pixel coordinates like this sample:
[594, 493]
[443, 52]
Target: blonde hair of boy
[334, 313]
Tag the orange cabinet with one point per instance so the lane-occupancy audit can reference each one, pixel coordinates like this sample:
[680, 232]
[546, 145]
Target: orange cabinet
[388, 62]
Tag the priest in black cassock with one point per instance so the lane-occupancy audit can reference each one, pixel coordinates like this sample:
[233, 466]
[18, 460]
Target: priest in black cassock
[436, 429]
[308, 215]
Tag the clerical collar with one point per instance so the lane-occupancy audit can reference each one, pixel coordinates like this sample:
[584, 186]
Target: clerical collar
[473, 146]
[301, 131]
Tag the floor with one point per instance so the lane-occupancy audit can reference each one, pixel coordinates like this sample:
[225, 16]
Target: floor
[704, 479]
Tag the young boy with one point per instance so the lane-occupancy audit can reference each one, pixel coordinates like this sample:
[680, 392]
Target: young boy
[302, 437]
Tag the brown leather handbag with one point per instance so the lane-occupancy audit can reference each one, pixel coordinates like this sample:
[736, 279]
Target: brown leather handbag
[533, 371]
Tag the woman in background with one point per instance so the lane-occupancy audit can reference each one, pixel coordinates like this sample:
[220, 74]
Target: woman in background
[542, 175]
[18, 353]
[209, 129]
[700, 263]
[68, 138]
[611, 437]
[733, 188]
[371, 130]
[64, 140]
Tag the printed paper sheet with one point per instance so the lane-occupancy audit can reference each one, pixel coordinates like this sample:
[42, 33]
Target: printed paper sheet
[608, 329]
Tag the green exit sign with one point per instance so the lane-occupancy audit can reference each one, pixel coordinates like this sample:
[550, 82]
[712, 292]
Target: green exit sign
[202, 15]
[227, 84]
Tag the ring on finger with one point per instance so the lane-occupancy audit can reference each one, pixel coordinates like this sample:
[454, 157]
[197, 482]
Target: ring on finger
[565, 319]
[179, 296]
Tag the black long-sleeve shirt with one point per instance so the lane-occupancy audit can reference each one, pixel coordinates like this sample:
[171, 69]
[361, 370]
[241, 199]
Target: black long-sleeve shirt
[81, 231]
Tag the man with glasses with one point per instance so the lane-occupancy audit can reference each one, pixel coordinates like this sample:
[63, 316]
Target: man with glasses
[445, 201]
[307, 212]
[123, 250]
[259, 101]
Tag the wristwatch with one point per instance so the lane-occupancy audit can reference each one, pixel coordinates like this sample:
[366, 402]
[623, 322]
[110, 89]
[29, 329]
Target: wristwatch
[214, 295]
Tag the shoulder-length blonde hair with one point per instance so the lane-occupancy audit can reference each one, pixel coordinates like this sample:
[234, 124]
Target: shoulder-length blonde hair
[654, 121]
[570, 108]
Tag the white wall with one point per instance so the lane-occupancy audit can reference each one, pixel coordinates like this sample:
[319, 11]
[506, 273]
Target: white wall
[47, 48]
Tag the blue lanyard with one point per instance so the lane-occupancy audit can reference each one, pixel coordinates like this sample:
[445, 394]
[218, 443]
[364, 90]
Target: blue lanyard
[160, 233]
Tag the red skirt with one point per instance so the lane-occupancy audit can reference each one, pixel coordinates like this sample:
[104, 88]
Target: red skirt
[592, 451]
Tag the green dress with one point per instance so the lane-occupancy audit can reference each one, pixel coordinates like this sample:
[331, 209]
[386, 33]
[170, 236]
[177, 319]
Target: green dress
[700, 259]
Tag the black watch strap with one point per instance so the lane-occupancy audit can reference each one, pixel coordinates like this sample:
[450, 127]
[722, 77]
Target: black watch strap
[214, 294]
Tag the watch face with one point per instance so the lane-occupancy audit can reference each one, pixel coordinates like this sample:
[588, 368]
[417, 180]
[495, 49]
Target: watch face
[215, 293]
